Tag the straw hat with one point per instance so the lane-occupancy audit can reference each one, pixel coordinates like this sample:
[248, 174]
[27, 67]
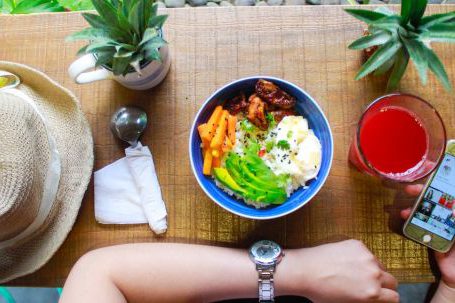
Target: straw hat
[46, 161]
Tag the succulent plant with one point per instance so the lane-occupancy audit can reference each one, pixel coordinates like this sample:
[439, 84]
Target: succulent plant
[399, 38]
[124, 36]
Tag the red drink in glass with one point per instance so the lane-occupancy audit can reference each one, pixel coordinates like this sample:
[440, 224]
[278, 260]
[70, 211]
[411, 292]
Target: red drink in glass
[399, 137]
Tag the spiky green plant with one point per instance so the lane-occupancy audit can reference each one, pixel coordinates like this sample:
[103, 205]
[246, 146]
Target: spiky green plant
[403, 37]
[124, 36]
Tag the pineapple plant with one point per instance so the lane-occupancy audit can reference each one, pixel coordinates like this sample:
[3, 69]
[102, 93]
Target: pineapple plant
[392, 40]
[124, 36]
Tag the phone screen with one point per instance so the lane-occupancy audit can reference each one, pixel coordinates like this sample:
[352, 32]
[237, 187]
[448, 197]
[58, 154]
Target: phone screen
[435, 211]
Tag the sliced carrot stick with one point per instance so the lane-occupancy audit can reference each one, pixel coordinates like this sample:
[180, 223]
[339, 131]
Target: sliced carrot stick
[232, 121]
[207, 168]
[216, 153]
[227, 145]
[220, 132]
[216, 162]
[201, 129]
[212, 124]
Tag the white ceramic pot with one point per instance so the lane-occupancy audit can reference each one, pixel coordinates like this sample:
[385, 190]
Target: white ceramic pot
[83, 71]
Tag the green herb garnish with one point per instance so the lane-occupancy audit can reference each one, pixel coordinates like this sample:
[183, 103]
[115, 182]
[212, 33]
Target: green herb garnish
[269, 146]
[289, 135]
[271, 119]
[247, 126]
[283, 144]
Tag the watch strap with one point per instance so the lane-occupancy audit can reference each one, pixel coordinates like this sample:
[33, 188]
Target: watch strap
[265, 283]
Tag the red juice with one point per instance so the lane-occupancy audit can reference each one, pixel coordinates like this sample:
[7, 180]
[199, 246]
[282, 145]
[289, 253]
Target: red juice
[394, 141]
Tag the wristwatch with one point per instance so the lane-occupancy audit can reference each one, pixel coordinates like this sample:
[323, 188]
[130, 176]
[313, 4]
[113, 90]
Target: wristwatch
[266, 255]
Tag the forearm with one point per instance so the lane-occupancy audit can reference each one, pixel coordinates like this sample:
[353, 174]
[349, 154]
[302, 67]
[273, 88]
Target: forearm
[167, 273]
[444, 294]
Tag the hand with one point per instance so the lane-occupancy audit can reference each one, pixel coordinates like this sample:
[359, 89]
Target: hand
[446, 261]
[343, 272]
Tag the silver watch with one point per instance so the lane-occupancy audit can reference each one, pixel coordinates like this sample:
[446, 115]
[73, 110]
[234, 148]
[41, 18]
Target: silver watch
[266, 255]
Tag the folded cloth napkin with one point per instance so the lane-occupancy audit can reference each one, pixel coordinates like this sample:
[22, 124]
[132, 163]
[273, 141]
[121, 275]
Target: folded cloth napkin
[127, 191]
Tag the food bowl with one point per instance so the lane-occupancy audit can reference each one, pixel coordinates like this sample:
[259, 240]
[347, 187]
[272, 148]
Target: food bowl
[305, 106]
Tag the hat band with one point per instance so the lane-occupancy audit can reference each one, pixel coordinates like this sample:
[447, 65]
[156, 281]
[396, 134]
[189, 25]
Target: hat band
[50, 183]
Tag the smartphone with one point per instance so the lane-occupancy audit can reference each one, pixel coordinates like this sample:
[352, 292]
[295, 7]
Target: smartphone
[432, 221]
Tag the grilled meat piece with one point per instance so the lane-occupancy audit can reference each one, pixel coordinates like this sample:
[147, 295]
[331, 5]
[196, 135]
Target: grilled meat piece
[274, 95]
[236, 104]
[278, 115]
[256, 112]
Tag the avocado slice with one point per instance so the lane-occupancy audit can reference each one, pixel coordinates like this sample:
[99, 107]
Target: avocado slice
[223, 176]
[253, 191]
[258, 177]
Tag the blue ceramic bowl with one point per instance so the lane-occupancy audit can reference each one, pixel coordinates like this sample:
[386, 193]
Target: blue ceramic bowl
[306, 106]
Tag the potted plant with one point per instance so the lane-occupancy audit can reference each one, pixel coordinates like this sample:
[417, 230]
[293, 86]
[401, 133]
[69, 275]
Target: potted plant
[125, 44]
[391, 40]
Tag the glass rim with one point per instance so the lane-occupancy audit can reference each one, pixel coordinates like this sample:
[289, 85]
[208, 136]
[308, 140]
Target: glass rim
[360, 123]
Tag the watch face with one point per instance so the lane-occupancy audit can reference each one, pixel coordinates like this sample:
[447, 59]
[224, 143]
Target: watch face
[265, 252]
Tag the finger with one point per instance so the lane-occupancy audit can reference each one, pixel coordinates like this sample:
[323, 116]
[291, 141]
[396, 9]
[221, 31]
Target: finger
[388, 281]
[405, 213]
[413, 189]
[388, 296]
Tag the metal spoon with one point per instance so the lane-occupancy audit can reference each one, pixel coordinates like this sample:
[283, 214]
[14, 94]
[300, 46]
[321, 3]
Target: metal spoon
[128, 124]
[8, 80]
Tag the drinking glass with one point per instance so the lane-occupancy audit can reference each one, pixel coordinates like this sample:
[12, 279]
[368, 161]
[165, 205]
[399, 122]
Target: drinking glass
[429, 119]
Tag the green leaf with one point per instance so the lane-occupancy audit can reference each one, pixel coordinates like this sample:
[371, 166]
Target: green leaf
[378, 58]
[416, 51]
[107, 12]
[116, 4]
[152, 54]
[82, 50]
[88, 34]
[94, 20]
[401, 62]
[157, 21]
[154, 43]
[418, 9]
[437, 68]
[153, 10]
[371, 40]
[136, 17]
[406, 7]
[126, 7]
[7, 6]
[439, 33]
[104, 58]
[384, 10]
[35, 6]
[77, 5]
[429, 21]
[100, 45]
[389, 23]
[366, 16]
[385, 67]
[120, 65]
[148, 8]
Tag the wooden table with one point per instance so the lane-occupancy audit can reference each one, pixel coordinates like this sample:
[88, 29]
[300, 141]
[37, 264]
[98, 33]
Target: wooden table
[210, 47]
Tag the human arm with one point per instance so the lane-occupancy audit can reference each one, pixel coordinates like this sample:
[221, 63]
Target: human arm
[339, 272]
[446, 261]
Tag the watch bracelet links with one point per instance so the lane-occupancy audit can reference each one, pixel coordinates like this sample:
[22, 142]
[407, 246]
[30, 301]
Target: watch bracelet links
[265, 283]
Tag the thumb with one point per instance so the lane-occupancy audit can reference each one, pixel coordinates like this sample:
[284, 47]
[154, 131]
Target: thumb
[405, 213]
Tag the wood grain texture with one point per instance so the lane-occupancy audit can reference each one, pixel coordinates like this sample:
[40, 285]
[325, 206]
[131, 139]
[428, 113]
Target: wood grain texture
[210, 47]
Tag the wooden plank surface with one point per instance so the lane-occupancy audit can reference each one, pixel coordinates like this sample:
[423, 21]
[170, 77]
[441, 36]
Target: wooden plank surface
[210, 47]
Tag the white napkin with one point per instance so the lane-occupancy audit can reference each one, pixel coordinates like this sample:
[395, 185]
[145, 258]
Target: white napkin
[127, 191]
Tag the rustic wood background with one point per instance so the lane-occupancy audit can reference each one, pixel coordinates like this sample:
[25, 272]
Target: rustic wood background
[210, 47]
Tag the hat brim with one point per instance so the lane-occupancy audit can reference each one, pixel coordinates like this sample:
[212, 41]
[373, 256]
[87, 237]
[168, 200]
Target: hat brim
[71, 131]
